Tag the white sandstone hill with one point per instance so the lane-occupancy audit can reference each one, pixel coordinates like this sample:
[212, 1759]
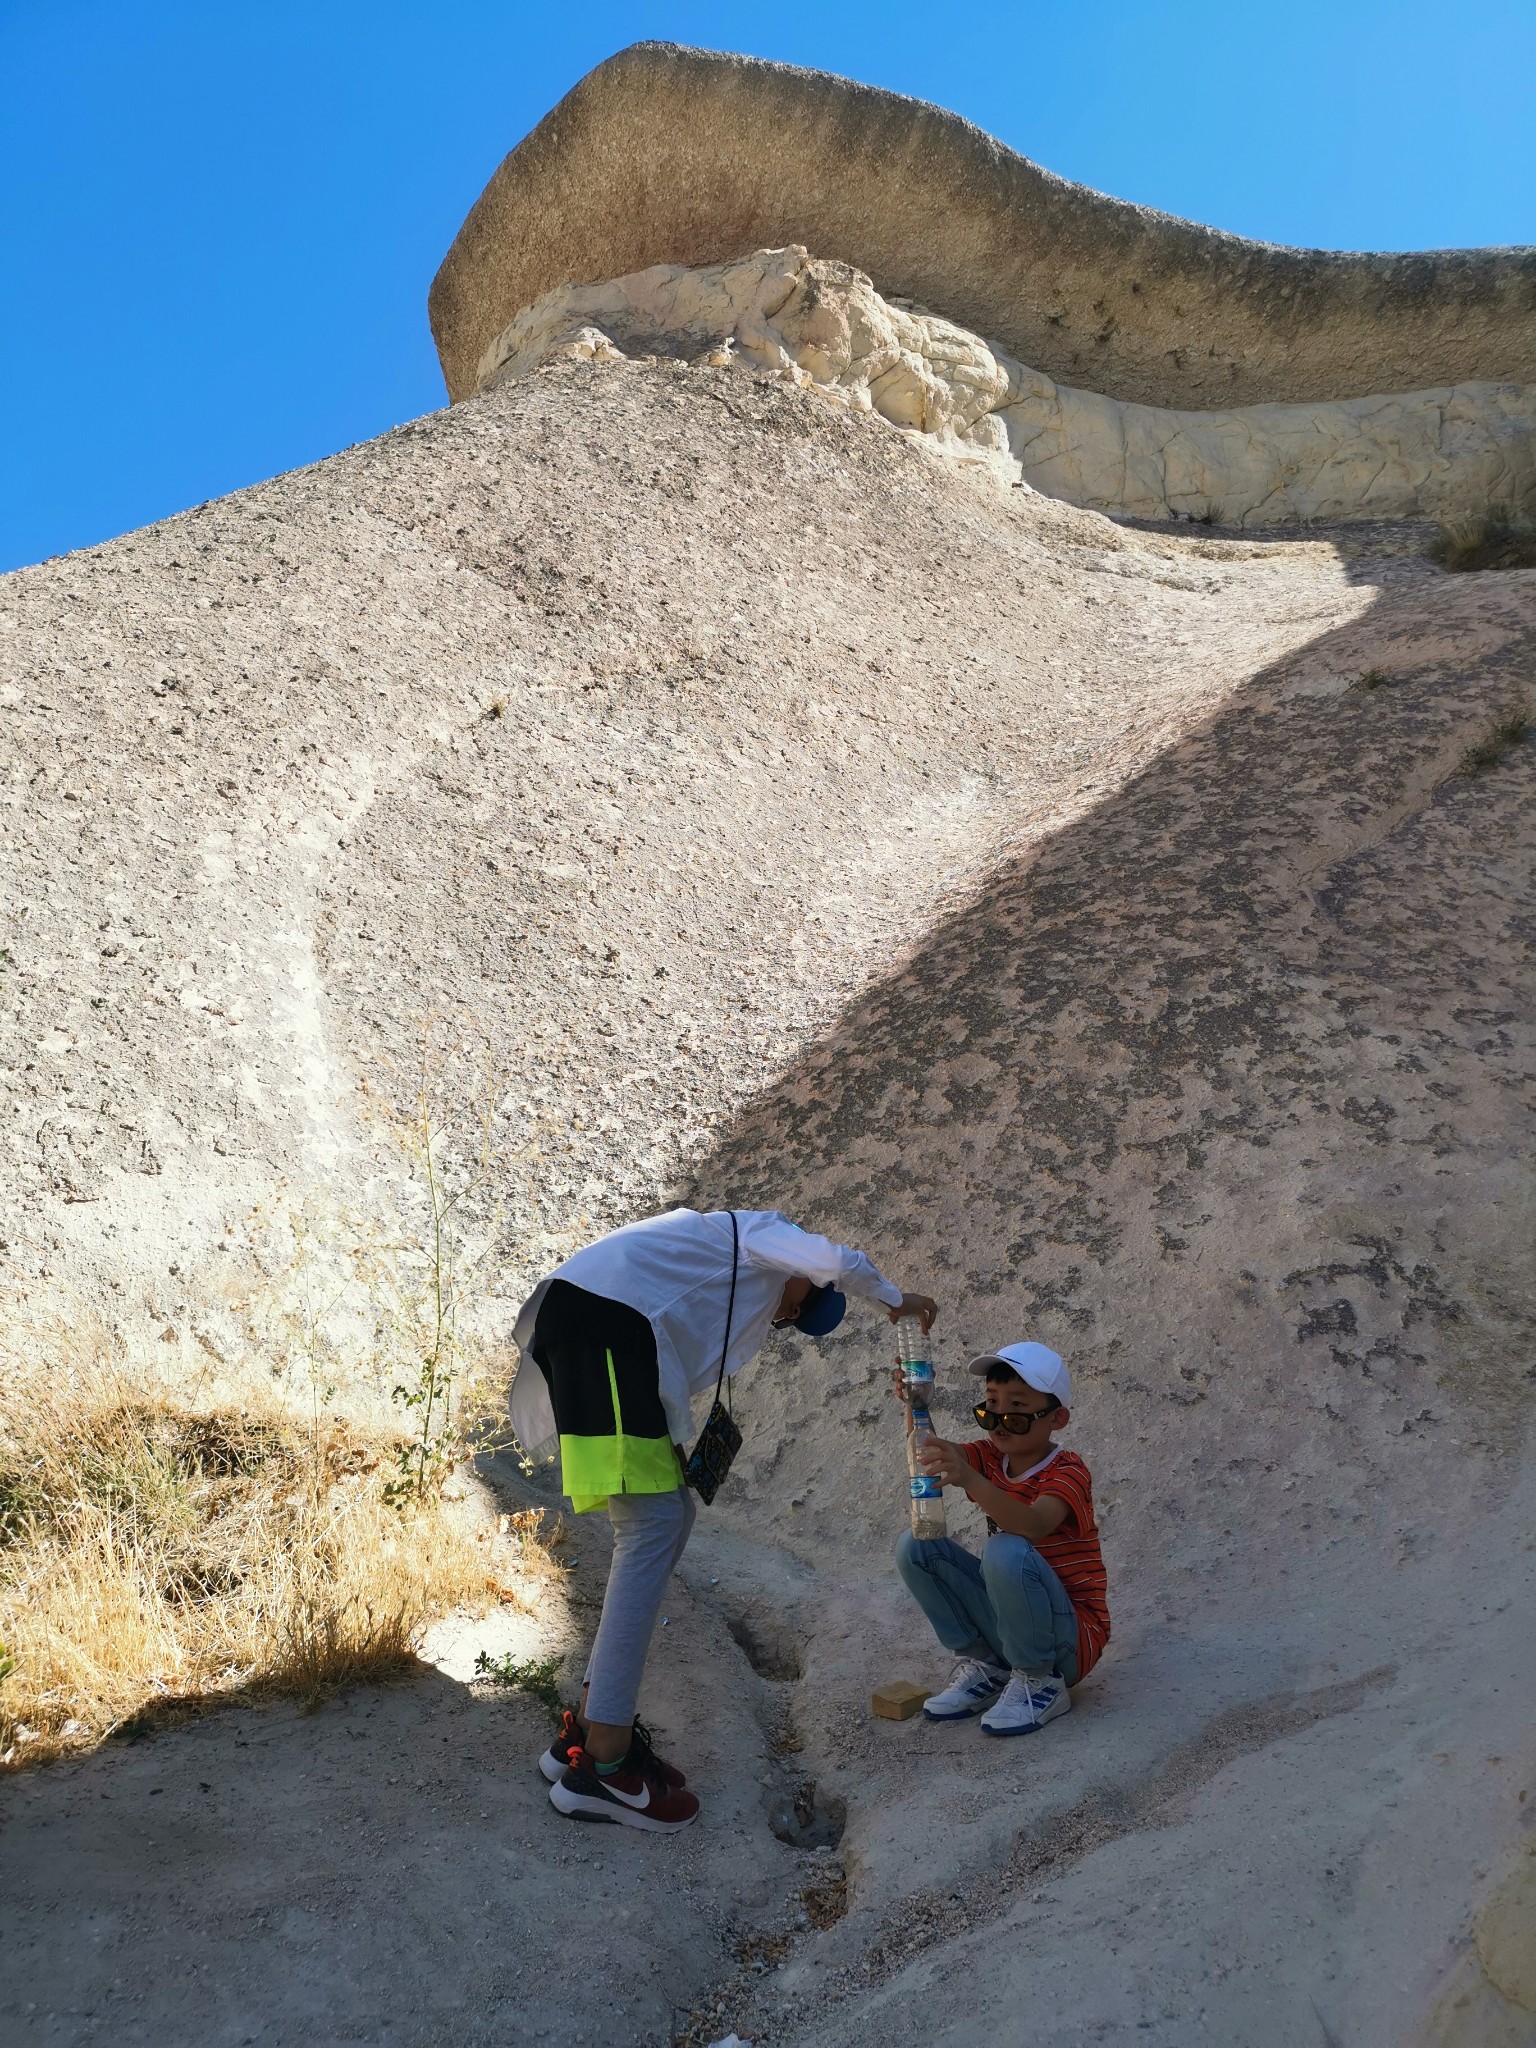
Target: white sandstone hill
[1124, 934]
[1106, 929]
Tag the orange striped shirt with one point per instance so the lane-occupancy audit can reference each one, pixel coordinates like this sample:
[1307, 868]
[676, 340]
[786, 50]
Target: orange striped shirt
[1072, 1551]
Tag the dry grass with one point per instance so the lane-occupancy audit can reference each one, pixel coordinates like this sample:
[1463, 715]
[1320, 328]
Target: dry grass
[157, 1550]
[1500, 539]
[1508, 734]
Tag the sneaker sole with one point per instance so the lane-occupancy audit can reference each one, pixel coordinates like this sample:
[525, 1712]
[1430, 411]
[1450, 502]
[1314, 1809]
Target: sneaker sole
[554, 1770]
[582, 1806]
[962, 1713]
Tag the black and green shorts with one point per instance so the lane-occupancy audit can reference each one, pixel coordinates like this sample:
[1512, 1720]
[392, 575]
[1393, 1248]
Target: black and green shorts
[598, 1358]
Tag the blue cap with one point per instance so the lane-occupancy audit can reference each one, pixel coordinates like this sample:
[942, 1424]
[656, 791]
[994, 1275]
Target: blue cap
[820, 1313]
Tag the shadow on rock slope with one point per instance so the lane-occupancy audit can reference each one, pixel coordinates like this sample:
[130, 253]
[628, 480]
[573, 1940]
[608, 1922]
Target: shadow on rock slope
[1220, 1089]
[1217, 1090]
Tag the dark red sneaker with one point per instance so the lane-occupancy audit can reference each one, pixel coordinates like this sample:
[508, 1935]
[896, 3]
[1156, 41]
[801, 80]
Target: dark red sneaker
[626, 1795]
[642, 1755]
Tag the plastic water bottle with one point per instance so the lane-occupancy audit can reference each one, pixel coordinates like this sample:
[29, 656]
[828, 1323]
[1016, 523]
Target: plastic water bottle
[917, 1370]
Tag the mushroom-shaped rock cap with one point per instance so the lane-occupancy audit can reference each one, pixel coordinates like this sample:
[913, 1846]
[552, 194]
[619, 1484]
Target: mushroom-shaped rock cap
[670, 155]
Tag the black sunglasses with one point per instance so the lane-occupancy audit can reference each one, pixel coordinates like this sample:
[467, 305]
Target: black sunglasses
[1016, 1425]
[812, 1299]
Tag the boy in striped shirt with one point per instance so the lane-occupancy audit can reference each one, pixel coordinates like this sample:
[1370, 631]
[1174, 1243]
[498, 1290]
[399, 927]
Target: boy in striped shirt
[1029, 1618]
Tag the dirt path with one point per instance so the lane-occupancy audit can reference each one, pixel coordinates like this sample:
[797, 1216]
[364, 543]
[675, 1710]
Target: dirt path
[388, 1869]
[1224, 1844]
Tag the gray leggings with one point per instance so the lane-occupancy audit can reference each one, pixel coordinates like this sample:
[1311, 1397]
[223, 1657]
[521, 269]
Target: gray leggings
[650, 1534]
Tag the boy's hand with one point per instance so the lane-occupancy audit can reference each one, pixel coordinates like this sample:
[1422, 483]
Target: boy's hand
[945, 1462]
[923, 1306]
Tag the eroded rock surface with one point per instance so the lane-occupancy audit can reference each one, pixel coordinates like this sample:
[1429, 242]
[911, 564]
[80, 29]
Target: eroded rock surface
[669, 155]
[1107, 929]
[1423, 454]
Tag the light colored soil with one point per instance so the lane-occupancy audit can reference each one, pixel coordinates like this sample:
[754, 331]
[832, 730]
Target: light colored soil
[387, 1869]
[1034, 902]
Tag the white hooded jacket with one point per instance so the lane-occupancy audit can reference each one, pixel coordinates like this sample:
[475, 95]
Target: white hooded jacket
[676, 1270]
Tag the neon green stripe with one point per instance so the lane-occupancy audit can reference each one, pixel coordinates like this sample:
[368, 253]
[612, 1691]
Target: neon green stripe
[650, 1465]
[592, 1467]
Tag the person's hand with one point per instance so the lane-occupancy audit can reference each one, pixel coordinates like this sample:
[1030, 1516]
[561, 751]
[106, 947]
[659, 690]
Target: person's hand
[944, 1461]
[923, 1306]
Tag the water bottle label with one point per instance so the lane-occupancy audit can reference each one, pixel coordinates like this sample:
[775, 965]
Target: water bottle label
[925, 1487]
[919, 1375]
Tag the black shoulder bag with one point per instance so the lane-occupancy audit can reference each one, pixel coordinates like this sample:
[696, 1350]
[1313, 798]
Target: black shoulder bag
[720, 1439]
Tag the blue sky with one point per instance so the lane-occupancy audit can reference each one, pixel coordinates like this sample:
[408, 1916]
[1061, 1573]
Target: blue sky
[220, 220]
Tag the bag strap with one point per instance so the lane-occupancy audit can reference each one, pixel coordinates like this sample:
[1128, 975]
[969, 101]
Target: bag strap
[730, 1307]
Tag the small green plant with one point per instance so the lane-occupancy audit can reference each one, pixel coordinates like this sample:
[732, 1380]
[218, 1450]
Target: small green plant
[452, 1162]
[1508, 734]
[539, 1677]
[424, 1458]
[1373, 679]
[1209, 514]
[1500, 539]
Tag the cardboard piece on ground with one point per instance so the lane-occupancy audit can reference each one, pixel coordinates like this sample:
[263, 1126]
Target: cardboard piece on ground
[898, 1701]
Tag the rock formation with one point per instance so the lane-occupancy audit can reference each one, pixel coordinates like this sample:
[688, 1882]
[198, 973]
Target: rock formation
[1171, 369]
[1441, 454]
[668, 155]
[1125, 934]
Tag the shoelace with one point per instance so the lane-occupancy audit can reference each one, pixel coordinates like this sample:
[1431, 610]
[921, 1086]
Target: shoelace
[642, 1757]
[969, 1672]
[642, 1754]
[1024, 1686]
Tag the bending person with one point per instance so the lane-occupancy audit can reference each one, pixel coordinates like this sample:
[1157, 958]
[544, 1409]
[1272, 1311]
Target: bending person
[623, 1336]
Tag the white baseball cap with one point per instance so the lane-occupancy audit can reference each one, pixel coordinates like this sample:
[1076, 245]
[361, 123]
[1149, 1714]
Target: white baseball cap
[1036, 1364]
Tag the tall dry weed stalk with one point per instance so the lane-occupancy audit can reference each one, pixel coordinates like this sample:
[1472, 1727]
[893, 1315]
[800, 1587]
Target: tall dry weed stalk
[446, 1134]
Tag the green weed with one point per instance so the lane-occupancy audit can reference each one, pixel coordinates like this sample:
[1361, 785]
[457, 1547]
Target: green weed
[452, 1159]
[538, 1677]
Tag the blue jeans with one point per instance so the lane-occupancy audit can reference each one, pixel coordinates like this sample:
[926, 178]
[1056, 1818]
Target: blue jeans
[1009, 1607]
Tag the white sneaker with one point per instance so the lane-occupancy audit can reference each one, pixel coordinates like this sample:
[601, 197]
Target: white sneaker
[972, 1683]
[1027, 1704]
